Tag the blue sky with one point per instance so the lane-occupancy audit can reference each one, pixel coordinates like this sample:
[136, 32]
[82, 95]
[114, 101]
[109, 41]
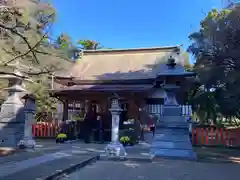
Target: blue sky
[132, 23]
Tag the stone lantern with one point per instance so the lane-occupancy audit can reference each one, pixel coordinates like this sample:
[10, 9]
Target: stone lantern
[12, 109]
[29, 111]
[115, 148]
[171, 134]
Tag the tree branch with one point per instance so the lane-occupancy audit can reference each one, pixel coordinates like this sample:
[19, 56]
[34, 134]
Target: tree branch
[14, 31]
[27, 52]
[31, 48]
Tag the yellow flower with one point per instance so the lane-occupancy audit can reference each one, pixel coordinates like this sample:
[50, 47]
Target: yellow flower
[61, 136]
[124, 139]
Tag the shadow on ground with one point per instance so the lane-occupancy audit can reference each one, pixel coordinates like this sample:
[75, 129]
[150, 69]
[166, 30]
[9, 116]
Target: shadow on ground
[225, 155]
[205, 154]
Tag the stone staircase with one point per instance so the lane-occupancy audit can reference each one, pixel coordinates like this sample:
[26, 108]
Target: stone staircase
[172, 136]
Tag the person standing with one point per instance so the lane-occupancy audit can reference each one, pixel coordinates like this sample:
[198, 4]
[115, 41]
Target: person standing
[88, 124]
[100, 129]
[152, 129]
[152, 125]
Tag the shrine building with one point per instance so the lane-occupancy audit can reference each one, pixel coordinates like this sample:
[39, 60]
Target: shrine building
[131, 73]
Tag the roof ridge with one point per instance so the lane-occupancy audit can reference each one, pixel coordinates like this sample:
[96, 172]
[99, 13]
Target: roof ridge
[133, 49]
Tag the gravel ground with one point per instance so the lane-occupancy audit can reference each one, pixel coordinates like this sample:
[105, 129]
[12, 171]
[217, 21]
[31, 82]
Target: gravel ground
[161, 170]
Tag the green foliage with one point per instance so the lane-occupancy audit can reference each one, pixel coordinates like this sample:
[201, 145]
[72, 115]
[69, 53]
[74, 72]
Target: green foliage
[64, 41]
[45, 103]
[24, 36]
[89, 44]
[3, 84]
[216, 49]
[187, 64]
[23, 25]
[125, 139]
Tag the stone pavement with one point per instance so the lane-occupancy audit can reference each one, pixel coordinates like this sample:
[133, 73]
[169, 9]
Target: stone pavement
[47, 168]
[141, 151]
[160, 170]
[50, 157]
[42, 162]
[218, 155]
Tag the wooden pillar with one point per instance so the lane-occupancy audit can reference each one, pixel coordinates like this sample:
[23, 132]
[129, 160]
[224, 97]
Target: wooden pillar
[132, 110]
[65, 110]
[136, 103]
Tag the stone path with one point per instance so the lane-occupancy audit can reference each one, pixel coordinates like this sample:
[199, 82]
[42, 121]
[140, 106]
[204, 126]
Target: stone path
[217, 155]
[47, 169]
[10, 168]
[141, 151]
[49, 153]
[34, 161]
[164, 170]
[61, 156]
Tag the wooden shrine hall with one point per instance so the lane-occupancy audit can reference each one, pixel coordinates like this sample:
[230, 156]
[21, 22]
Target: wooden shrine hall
[131, 73]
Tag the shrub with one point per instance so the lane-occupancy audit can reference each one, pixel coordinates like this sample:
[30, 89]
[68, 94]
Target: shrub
[125, 140]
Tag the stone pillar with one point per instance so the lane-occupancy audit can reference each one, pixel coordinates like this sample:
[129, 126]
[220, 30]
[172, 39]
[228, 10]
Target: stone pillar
[29, 110]
[115, 148]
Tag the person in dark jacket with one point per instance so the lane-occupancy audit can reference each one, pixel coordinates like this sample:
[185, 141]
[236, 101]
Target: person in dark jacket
[99, 129]
[87, 124]
[152, 122]
[152, 129]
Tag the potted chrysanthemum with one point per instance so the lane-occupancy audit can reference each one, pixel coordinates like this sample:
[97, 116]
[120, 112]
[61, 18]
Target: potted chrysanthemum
[61, 138]
[125, 140]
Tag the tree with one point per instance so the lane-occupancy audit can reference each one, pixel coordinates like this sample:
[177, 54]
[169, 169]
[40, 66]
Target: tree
[25, 37]
[64, 41]
[45, 103]
[187, 65]
[66, 46]
[23, 26]
[216, 49]
[89, 44]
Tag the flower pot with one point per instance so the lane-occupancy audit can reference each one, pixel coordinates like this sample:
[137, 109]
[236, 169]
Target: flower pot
[60, 140]
[22, 146]
[124, 144]
[131, 144]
